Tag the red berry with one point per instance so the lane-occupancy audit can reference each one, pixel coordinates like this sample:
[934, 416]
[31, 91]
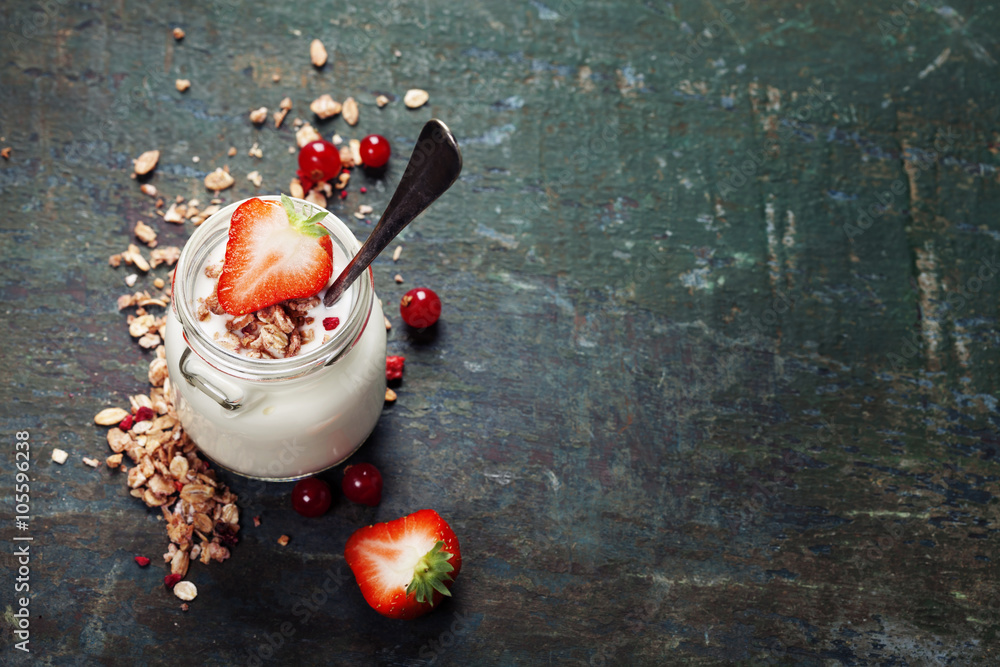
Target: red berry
[171, 580]
[143, 414]
[362, 484]
[375, 151]
[331, 323]
[311, 497]
[420, 307]
[142, 561]
[363, 189]
[319, 161]
[126, 423]
[394, 367]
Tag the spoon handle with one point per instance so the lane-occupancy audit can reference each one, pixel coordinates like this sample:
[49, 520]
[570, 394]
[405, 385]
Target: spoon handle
[434, 165]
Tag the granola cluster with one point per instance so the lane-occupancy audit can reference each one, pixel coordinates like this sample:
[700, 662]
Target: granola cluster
[200, 511]
[275, 332]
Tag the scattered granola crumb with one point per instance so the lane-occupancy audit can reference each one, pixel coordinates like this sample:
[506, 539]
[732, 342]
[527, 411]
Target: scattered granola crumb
[196, 159]
[381, 101]
[291, 150]
[5, 152]
[158, 283]
[317, 53]
[256, 522]
[114, 460]
[415, 98]
[355, 146]
[390, 395]
[346, 159]
[185, 606]
[316, 197]
[148, 189]
[59, 456]
[185, 590]
[178, 34]
[145, 233]
[232, 151]
[398, 278]
[325, 106]
[396, 253]
[93, 463]
[255, 178]
[146, 162]
[110, 416]
[342, 180]
[219, 180]
[397, 53]
[388, 324]
[337, 139]
[276, 77]
[295, 188]
[258, 116]
[130, 279]
[255, 151]
[306, 134]
[182, 84]
[283, 108]
[350, 111]
[283, 540]
[175, 213]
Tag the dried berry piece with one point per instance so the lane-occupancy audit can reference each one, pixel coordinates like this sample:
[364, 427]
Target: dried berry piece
[171, 580]
[143, 414]
[126, 423]
[394, 367]
[331, 323]
[142, 561]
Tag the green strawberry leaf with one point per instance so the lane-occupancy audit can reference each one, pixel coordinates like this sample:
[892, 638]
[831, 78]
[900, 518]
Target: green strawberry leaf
[430, 574]
[308, 226]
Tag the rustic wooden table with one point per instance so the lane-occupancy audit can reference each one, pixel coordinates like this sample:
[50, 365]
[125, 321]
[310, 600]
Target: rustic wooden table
[717, 374]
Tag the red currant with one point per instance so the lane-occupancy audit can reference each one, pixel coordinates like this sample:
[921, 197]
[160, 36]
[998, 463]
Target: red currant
[375, 151]
[420, 307]
[311, 497]
[319, 161]
[363, 484]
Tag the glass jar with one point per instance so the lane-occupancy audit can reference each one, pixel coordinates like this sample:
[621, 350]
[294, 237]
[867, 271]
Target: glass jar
[275, 419]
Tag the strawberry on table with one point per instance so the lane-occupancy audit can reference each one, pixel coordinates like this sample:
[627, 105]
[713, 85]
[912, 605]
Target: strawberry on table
[405, 567]
[273, 254]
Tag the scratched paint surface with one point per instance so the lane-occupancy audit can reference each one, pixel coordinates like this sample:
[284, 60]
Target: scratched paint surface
[683, 406]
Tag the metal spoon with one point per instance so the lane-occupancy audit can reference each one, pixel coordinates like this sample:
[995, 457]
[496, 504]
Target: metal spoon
[434, 165]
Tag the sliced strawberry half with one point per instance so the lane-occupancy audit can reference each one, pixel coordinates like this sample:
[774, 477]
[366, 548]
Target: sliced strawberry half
[273, 254]
[405, 567]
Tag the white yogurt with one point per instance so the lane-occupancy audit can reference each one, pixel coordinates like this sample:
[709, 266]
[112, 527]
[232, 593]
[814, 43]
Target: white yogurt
[275, 419]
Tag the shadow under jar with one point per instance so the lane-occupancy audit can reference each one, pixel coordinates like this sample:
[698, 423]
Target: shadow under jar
[275, 419]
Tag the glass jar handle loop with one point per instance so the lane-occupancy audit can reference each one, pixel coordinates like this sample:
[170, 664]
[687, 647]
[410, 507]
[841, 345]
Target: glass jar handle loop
[206, 387]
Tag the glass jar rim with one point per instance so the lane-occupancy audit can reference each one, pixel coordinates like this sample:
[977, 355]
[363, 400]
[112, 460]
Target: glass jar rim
[192, 259]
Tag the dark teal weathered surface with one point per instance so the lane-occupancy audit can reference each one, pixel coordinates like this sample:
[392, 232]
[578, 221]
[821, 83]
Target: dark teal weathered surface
[682, 405]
